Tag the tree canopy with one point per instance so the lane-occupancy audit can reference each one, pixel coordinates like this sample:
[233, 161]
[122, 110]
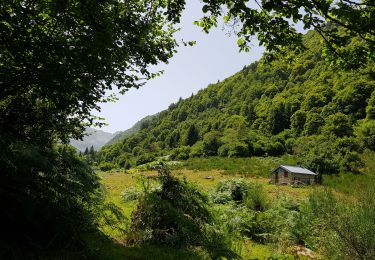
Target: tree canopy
[346, 26]
[59, 58]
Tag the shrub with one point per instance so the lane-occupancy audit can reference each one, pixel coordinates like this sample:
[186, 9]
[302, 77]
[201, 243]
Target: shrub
[259, 148]
[288, 223]
[230, 190]
[223, 150]
[52, 199]
[275, 148]
[177, 215]
[347, 229]
[106, 166]
[236, 221]
[256, 198]
[211, 143]
[238, 149]
[131, 194]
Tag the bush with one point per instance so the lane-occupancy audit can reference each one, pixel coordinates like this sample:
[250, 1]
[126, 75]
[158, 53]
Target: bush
[177, 215]
[124, 161]
[275, 148]
[259, 148]
[223, 150]
[211, 143]
[131, 194]
[347, 229]
[230, 190]
[52, 199]
[236, 149]
[106, 166]
[236, 221]
[256, 198]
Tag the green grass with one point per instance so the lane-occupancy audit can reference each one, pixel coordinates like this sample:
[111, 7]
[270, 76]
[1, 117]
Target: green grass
[255, 251]
[206, 173]
[249, 167]
[115, 183]
[349, 183]
[104, 248]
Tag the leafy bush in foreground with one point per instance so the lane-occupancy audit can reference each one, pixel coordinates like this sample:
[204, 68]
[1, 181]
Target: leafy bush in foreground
[346, 229]
[50, 197]
[177, 215]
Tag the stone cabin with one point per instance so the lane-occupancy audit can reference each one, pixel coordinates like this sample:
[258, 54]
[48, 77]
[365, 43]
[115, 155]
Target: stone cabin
[285, 174]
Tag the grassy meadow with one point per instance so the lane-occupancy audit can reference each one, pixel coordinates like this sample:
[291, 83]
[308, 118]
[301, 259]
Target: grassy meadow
[206, 173]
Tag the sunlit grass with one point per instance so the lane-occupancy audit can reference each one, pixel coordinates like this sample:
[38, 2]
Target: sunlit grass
[349, 183]
[116, 183]
[247, 167]
[206, 173]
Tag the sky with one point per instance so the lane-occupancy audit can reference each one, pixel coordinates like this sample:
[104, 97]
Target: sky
[214, 57]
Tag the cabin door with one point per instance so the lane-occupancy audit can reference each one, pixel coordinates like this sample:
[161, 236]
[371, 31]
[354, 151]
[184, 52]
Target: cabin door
[276, 177]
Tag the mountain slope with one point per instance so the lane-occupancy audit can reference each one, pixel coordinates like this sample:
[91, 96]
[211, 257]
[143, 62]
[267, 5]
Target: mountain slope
[134, 129]
[296, 104]
[94, 137]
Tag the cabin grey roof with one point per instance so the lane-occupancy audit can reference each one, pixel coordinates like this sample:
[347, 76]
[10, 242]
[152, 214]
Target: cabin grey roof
[295, 169]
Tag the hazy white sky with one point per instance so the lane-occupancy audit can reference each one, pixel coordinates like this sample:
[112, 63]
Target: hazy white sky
[213, 58]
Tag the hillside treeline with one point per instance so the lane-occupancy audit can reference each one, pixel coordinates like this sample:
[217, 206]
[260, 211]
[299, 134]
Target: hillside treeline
[297, 104]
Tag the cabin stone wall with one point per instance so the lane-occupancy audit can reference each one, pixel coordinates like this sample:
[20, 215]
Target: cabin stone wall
[281, 176]
[305, 178]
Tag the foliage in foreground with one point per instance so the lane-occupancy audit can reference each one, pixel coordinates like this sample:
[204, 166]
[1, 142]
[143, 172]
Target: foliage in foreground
[346, 229]
[178, 215]
[333, 228]
[50, 199]
[57, 61]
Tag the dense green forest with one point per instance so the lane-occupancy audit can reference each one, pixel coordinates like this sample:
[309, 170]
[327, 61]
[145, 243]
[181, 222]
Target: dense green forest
[298, 104]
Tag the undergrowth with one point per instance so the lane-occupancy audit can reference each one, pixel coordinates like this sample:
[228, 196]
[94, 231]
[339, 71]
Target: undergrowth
[178, 215]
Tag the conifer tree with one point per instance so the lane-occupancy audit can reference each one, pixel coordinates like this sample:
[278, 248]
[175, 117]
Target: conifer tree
[192, 135]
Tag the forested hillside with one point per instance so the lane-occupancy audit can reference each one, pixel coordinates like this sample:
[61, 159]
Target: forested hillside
[297, 104]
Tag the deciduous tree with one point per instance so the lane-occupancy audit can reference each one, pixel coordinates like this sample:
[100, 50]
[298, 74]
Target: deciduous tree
[59, 58]
[345, 26]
